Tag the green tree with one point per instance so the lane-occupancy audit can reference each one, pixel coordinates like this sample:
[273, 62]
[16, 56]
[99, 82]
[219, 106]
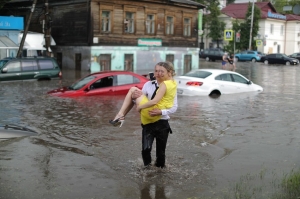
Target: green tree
[229, 2]
[279, 4]
[236, 27]
[214, 25]
[245, 27]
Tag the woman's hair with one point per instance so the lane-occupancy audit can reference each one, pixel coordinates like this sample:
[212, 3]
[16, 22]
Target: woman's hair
[168, 66]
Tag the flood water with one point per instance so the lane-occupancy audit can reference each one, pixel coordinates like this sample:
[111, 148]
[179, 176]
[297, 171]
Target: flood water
[215, 142]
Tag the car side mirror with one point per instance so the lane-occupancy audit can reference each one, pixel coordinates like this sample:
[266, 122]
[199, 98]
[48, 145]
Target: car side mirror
[4, 70]
[87, 89]
[249, 82]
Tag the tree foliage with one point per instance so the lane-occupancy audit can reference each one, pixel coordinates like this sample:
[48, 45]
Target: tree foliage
[279, 4]
[215, 26]
[246, 27]
[212, 22]
[229, 2]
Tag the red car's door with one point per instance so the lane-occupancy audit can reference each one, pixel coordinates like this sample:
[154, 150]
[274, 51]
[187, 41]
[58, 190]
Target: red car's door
[118, 84]
[123, 82]
[102, 86]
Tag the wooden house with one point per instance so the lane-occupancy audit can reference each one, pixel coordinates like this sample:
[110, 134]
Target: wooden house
[117, 34]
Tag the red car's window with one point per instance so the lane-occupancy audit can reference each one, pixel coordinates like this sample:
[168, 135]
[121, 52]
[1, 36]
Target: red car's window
[125, 79]
[81, 83]
[102, 83]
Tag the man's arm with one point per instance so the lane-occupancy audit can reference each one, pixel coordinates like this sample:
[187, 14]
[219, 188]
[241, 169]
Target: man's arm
[169, 111]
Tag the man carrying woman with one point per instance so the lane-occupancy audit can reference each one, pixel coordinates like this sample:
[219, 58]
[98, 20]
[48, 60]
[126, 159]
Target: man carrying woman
[154, 118]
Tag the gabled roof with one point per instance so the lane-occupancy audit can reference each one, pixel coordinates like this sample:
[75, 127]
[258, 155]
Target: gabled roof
[239, 10]
[291, 17]
[189, 2]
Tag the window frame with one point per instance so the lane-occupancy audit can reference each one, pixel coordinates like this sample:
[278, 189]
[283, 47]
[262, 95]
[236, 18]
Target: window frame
[191, 17]
[271, 28]
[282, 30]
[109, 8]
[109, 21]
[153, 23]
[167, 25]
[189, 28]
[133, 10]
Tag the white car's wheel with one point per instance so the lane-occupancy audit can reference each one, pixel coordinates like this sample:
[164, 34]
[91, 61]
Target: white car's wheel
[287, 63]
[253, 60]
[207, 58]
[266, 62]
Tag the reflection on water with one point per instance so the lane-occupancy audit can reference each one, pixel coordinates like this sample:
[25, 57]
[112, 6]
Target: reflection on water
[214, 141]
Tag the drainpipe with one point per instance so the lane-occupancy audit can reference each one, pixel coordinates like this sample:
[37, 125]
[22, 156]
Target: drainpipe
[285, 37]
[26, 30]
[47, 34]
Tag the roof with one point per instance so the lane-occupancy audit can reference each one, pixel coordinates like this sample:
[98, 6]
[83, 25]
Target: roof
[6, 43]
[239, 10]
[190, 2]
[291, 17]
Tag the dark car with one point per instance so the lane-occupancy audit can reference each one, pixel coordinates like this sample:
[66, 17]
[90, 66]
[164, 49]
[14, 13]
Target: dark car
[102, 83]
[295, 55]
[5, 60]
[248, 55]
[13, 131]
[279, 58]
[40, 68]
[212, 54]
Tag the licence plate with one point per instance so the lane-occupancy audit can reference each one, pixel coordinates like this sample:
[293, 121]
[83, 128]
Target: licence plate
[179, 91]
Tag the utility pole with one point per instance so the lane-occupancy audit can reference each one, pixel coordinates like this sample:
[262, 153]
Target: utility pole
[48, 29]
[252, 14]
[26, 30]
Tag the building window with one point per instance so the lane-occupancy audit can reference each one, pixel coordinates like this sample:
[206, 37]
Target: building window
[106, 21]
[105, 62]
[128, 63]
[281, 29]
[187, 63]
[129, 22]
[186, 27]
[150, 24]
[271, 29]
[169, 25]
[170, 58]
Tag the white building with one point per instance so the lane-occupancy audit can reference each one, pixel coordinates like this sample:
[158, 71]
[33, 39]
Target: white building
[278, 33]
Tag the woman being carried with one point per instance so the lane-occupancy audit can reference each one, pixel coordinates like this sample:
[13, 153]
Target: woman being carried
[163, 99]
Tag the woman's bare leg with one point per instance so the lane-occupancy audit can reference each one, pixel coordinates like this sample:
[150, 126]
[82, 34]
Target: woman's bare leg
[127, 103]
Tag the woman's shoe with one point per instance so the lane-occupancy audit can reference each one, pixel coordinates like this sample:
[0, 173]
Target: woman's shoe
[117, 122]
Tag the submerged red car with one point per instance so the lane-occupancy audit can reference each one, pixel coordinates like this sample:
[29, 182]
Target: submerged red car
[102, 83]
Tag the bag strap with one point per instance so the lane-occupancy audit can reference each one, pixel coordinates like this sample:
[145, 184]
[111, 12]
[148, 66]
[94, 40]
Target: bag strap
[155, 90]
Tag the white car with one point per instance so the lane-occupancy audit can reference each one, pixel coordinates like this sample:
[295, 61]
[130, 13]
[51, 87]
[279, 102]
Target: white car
[211, 82]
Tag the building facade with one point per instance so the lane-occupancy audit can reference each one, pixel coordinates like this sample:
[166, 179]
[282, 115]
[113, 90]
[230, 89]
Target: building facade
[278, 33]
[119, 35]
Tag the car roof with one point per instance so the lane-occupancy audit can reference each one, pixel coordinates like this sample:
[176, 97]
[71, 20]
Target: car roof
[8, 58]
[216, 71]
[112, 72]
